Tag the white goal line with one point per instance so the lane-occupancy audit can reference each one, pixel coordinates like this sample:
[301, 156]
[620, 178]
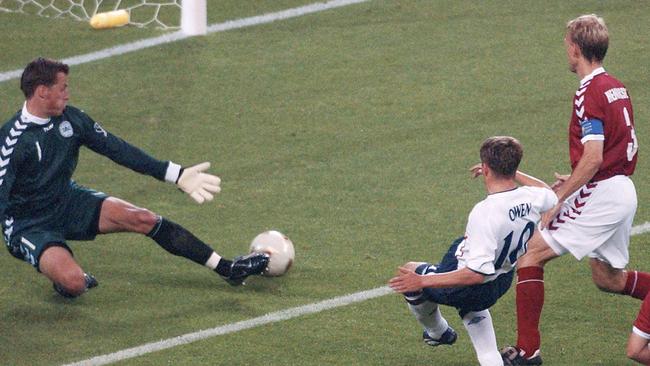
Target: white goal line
[179, 35]
[256, 322]
[235, 327]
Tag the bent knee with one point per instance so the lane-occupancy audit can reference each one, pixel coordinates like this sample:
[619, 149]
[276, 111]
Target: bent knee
[602, 285]
[144, 217]
[73, 282]
[633, 355]
[606, 278]
[118, 215]
[607, 284]
[140, 220]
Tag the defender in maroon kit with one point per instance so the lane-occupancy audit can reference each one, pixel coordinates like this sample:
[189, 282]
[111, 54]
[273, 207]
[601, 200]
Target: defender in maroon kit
[602, 103]
[597, 201]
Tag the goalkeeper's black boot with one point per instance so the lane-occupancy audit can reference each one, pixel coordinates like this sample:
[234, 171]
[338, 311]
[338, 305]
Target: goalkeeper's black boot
[91, 282]
[247, 265]
[513, 356]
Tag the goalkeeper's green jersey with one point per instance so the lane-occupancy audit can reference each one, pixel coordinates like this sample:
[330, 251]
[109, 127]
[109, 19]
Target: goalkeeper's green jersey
[38, 157]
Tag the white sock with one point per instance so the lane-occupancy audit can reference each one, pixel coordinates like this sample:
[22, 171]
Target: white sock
[213, 261]
[481, 332]
[428, 314]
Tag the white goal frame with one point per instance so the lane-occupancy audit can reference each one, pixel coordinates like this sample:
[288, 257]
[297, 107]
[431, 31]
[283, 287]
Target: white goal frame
[192, 18]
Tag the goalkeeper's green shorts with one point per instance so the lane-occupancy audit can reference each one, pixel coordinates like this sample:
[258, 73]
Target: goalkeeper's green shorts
[28, 237]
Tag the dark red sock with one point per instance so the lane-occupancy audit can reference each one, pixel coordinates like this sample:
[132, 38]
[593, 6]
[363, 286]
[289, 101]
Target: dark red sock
[530, 300]
[637, 284]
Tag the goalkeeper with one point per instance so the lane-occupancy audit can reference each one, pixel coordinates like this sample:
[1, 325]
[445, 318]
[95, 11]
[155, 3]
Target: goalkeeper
[41, 207]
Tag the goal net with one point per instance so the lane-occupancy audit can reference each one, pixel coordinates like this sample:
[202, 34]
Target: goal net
[164, 14]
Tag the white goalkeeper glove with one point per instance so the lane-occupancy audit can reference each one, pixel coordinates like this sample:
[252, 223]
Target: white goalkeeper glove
[199, 185]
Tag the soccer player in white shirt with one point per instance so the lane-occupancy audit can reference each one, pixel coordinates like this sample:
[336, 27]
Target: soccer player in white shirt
[478, 268]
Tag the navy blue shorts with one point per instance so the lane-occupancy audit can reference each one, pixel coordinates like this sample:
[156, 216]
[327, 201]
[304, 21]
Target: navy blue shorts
[466, 298]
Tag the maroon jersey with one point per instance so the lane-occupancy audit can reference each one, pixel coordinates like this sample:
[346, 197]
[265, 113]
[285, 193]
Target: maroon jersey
[602, 110]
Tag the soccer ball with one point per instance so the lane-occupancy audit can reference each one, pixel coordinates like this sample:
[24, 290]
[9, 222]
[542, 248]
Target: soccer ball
[278, 247]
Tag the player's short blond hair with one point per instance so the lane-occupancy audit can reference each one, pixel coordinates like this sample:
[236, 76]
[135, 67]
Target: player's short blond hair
[590, 34]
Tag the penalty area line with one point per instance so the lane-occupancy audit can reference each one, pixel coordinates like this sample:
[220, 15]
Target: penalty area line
[235, 327]
[179, 35]
[259, 321]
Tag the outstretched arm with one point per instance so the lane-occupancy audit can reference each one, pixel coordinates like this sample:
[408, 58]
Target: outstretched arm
[521, 178]
[524, 179]
[192, 180]
[409, 281]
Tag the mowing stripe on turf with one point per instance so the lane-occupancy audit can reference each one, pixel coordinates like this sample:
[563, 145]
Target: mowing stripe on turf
[179, 35]
[641, 229]
[256, 322]
[235, 327]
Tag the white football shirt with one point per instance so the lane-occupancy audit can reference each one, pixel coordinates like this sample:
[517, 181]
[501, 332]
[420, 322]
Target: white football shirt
[499, 228]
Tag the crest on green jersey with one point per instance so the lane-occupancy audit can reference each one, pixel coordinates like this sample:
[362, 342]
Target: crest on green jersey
[65, 129]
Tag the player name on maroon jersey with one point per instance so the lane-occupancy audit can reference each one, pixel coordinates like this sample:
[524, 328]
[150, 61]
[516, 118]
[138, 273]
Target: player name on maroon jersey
[615, 94]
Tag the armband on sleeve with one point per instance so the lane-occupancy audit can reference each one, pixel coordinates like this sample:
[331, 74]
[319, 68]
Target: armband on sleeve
[592, 129]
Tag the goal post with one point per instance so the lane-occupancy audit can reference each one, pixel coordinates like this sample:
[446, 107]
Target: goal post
[190, 16]
[194, 17]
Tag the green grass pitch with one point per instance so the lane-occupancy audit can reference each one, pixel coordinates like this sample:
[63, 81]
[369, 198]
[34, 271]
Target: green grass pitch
[351, 131]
